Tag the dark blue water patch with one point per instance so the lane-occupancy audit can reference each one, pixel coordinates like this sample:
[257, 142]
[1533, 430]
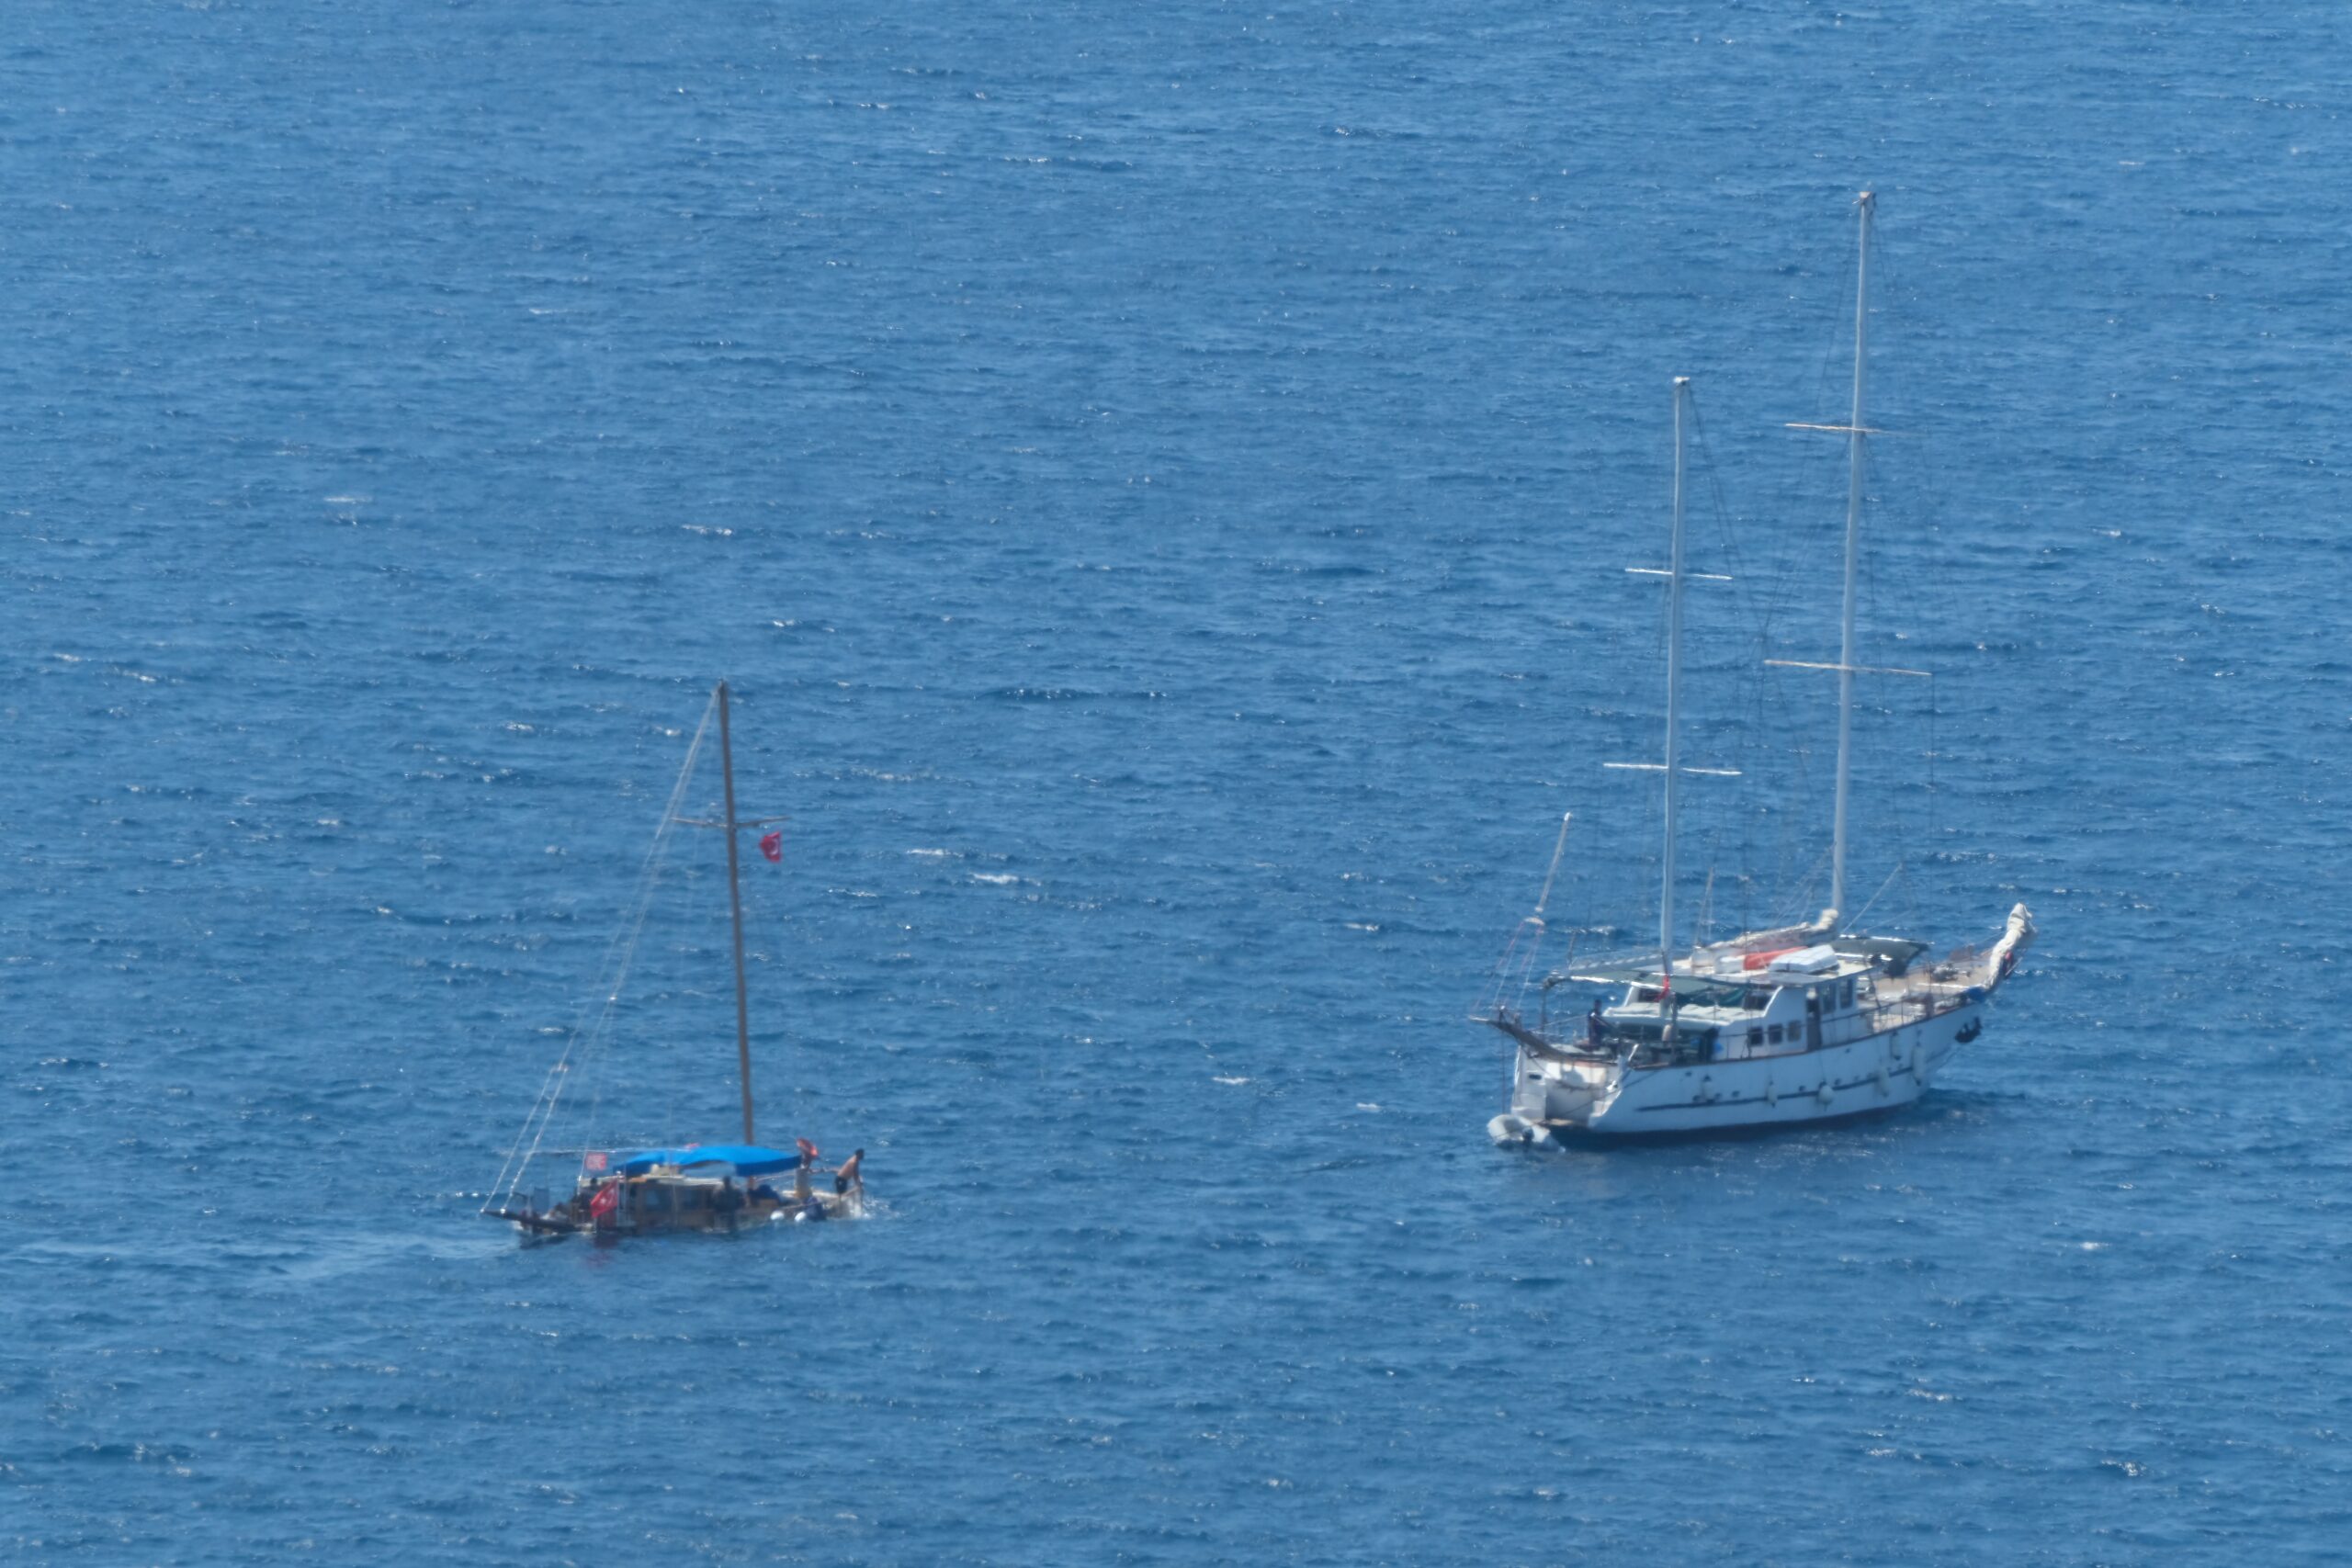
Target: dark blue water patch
[1160, 488]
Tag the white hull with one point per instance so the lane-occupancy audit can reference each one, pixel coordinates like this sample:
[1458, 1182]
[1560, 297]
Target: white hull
[1877, 1073]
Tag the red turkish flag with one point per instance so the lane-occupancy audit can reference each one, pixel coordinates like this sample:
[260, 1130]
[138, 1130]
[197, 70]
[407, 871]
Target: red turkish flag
[606, 1199]
[773, 846]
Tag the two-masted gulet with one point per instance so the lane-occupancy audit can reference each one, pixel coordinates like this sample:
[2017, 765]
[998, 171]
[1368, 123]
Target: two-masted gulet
[1804, 1023]
[722, 1186]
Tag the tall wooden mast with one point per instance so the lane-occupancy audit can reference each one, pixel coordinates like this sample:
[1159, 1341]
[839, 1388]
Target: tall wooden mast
[1673, 693]
[1846, 668]
[1676, 575]
[1854, 434]
[735, 898]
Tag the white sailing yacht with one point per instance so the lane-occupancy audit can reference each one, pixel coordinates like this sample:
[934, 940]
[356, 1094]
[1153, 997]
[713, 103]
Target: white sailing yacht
[1805, 1023]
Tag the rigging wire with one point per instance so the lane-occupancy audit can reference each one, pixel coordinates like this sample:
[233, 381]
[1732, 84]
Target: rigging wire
[1924, 595]
[1531, 930]
[588, 1037]
[1882, 886]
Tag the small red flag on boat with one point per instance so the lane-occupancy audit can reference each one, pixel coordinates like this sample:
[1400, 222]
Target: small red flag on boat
[606, 1199]
[773, 846]
[594, 1160]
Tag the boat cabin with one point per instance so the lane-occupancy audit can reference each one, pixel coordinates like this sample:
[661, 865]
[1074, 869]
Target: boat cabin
[1731, 1007]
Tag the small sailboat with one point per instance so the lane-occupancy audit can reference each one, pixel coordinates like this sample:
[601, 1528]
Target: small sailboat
[722, 1186]
[1812, 1023]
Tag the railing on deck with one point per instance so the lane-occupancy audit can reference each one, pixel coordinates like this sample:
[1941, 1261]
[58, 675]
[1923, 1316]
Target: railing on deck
[1912, 1007]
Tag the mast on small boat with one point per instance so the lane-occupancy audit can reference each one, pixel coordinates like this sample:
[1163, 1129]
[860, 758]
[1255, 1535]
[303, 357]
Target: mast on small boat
[735, 900]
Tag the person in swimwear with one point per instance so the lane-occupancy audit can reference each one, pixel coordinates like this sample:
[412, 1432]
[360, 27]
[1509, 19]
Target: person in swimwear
[850, 1177]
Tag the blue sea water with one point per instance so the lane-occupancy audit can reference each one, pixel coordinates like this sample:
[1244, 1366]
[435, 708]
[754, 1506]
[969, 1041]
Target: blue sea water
[1157, 479]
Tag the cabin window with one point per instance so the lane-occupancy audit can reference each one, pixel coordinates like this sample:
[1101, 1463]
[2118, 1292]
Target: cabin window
[1775, 1033]
[1755, 1038]
[1847, 991]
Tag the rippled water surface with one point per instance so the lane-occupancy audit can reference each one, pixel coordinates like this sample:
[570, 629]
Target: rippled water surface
[1158, 480]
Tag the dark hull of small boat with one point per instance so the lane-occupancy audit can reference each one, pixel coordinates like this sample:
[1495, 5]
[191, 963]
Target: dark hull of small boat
[644, 1219]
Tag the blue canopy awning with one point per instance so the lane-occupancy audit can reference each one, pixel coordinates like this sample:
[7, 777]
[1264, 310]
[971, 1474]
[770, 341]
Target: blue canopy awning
[745, 1159]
